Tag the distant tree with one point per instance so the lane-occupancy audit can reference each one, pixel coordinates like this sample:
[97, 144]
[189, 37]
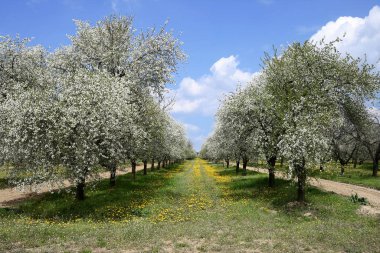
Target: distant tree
[370, 137]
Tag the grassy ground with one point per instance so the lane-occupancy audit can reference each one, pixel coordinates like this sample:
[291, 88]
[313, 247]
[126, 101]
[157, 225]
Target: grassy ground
[194, 207]
[3, 178]
[361, 175]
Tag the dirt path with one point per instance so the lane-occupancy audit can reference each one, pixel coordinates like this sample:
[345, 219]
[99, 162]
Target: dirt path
[344, 189]
[9, 196]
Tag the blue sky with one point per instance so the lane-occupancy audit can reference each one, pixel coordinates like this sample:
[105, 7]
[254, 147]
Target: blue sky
[224, 40]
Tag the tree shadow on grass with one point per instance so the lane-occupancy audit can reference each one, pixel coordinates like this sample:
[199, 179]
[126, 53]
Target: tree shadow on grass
[4, 183]
[282, 197]
[126, 200]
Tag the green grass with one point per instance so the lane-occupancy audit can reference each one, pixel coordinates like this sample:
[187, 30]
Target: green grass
[187, 208]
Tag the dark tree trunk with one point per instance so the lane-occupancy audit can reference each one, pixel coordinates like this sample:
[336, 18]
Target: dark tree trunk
[321, 168]
[375, 167]
[271, 178]
[228, 163]
[237, 166]
[112, 175]
[145, 167]
[342, 169]
[355, 162]
[301, 190]
[80, 189]
[133, 162]
[152, 165]
[301, 182]
[282, 161]
[271, 164]
[159, 165]
[245, 161]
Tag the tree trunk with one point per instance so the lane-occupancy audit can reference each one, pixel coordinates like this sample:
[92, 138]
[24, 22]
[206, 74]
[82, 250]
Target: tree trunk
[228, 163]
[271, 178]
[355, 162]
[271, 164]
[301, 182]
[282, 161]
[145, 167]
[80, 189]
[321, 168]
[237, 166]
[375, 167]
[133, 162]
[159, 165]
[341, 169]
[152, 165]
[113, 175]
[245, 161]
[301, 190]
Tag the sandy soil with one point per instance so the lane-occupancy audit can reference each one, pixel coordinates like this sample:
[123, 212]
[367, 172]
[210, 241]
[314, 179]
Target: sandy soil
[344, 189]
[10, 196]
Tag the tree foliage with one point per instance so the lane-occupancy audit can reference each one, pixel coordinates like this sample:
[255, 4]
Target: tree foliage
[96, 102]
[302, 96]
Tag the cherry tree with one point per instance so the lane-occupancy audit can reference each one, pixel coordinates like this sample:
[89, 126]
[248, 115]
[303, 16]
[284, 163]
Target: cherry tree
[345, 143]
[369, 135]
[265, 122]
[21, 68]
[234, 127]
[147, 60]
[93, 102]
[310, 83]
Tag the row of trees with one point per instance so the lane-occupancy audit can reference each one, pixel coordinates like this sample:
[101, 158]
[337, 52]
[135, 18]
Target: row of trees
[308, 106]
[97, 102]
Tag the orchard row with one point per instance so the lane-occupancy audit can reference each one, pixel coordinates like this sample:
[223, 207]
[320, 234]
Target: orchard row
[309, 105]
[98, 102]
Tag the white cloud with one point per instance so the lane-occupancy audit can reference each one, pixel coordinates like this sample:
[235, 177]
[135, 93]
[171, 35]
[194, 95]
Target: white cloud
[190, 127]
[186, 105]
[361, 35]
[199, 140]
[191, 87]
[202, 95]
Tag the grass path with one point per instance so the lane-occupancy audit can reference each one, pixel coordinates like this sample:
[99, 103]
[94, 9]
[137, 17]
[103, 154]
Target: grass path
[193, 207]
